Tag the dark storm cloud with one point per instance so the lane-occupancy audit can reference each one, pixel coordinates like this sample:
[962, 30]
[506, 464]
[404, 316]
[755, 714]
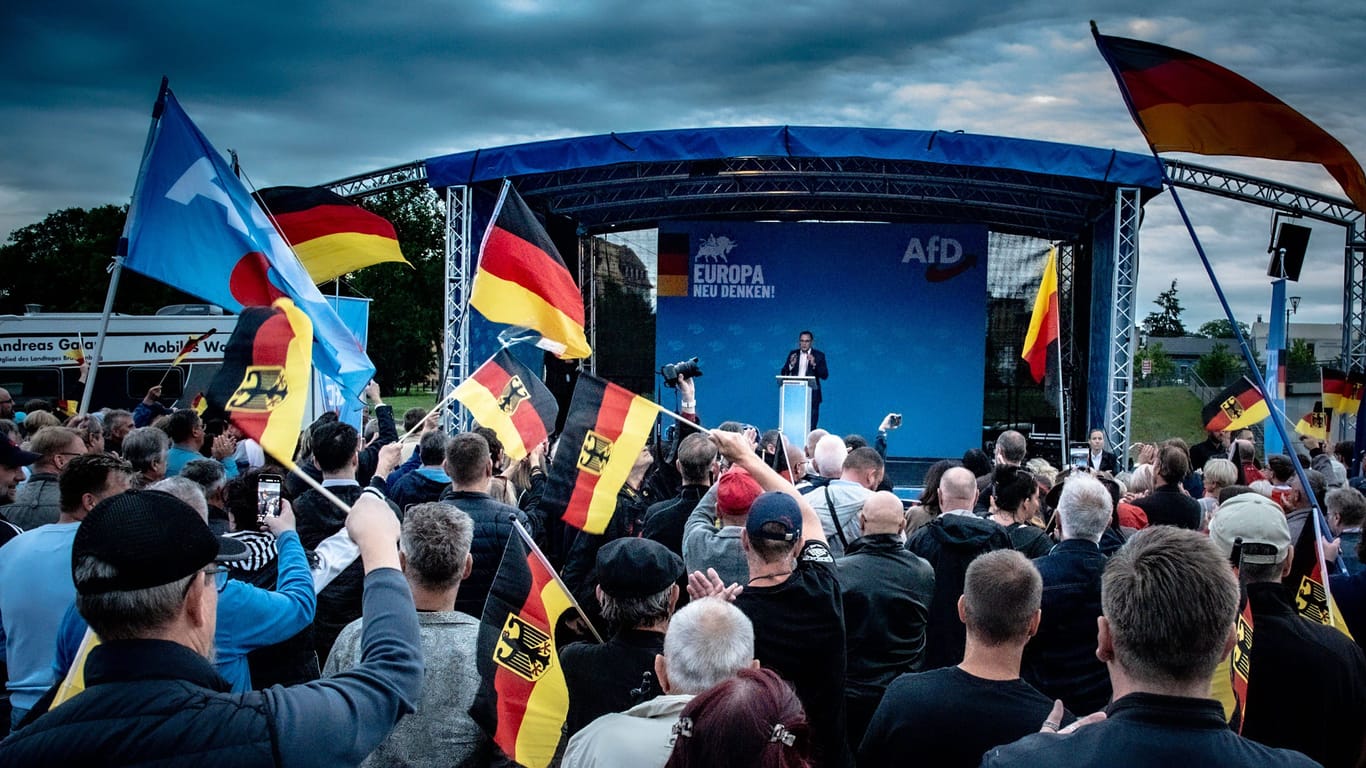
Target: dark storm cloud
[311, 91]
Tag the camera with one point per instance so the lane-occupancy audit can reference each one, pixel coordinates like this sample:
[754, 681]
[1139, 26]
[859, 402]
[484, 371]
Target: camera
[690, 368]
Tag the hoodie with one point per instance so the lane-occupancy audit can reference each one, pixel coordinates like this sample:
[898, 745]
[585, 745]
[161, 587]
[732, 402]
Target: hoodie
[950, 542]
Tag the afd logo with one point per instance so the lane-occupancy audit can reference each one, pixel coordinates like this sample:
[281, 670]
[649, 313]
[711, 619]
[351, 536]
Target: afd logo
[943, 257]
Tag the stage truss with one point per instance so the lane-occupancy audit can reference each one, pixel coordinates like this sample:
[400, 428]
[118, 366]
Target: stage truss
[630, 196]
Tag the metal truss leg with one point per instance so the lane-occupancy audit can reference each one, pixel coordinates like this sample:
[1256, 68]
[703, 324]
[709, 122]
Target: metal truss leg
[1353, 309]
[1119, 399]
[455, 362]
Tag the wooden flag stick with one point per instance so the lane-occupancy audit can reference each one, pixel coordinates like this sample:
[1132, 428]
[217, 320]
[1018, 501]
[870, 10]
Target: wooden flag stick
[441, 404]
[526, 537]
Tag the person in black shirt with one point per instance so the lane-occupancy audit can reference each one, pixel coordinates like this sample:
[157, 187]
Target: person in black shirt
[637, 592]
[793, 598]
[664, 520]
[1168, 504]
[952, 715]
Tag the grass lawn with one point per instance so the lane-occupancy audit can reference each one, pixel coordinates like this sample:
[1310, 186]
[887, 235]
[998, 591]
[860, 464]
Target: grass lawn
[418, 399]
[1163, 412]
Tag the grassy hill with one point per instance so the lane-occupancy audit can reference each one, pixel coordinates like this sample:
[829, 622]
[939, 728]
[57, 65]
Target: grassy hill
[1163, 412]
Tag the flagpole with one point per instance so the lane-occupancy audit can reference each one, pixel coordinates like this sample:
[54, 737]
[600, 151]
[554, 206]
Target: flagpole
[526, 537]
[117, 269]
[315, 485]
[1278, 416]
[1062, 399]
[439, 405]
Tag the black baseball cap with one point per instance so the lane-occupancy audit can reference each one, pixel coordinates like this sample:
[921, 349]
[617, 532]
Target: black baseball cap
[779, 509]
[12, 455]
[631, 567]
[151, 539]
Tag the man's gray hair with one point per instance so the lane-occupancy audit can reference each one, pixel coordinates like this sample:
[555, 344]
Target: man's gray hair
[1169, 598]
[829, 456]
[209, 474]
[633, 612]
[1084, 508]
[144, 446]
[131, 614]
[708, 641]
[435, 543]
[186, 490]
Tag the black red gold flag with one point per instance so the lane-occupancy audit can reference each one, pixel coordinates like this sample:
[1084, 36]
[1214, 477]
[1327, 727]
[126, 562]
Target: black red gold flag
[604, 434]
[523, 699]
[1306, 582]
[262, 386]
[1041, 341]
[508, 398]
[1334, 387]
[330, 234]
[1315, 424]
[1240, 664]
[191, 345]
[1239, 406]
[1183, 103]
[522, 281]
[1351, 395]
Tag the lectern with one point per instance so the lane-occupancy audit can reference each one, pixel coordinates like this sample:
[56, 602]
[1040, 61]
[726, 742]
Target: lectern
[794, 407]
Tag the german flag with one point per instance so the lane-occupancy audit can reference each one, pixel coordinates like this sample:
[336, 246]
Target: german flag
[68, 408]
[1041, 342]
[190, 345]
[1240, 664]
[1351, 396]
[603, 435]
[1183, 103]
[1315, 424]
[77, 355]
[523, 699]
[200, 404]
[521, 280]
[1239, 406]
[1312, 597]
[1334, 387]
[262, 386]
[330, 234]
[509, 399]
[673, 264]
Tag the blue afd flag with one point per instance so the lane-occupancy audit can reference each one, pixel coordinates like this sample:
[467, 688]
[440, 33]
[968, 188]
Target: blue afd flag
[193, 226]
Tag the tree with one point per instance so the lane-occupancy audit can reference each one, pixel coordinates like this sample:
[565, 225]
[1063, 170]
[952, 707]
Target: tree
[1219, 366]
[407, 302]
[60, 263]
[1167, 322]
[1221, 329]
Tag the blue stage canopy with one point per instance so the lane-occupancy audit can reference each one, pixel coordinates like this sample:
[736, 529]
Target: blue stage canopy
[694, 144]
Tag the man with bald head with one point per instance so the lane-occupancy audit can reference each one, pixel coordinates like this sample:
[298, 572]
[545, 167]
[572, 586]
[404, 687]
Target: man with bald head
[6, 404]
[886, 592]
[950, 542]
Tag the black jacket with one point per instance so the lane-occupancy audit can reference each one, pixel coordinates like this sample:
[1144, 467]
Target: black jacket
[611, 676]
[492, 529]
[1145, 730]
[887, 592]
[414, 488]
[1061, 659]
[791, 365]
[1167, 505]
[340, 603]
[950, 542]
[664, 520]
[1307, 685]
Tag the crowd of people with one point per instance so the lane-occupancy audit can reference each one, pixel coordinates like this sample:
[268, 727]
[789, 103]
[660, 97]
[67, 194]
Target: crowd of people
[760, 602]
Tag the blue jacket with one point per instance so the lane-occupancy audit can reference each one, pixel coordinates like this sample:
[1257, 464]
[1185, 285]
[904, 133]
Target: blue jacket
[155, 702]
[1061, 659]
[250, 617]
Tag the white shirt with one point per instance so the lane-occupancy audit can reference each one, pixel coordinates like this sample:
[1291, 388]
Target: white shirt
[801, 363]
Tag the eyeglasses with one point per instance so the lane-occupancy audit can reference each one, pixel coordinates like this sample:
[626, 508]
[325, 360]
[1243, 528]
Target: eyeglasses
[220, 576]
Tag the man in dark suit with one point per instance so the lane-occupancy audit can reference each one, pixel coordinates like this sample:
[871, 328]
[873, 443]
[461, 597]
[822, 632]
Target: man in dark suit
[805, 361]
[1097, 457]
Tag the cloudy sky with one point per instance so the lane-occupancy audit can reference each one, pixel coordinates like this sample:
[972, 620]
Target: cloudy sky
[311, 91]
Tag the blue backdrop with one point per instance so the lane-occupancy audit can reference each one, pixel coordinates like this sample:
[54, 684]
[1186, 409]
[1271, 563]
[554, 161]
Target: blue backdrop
[899, 310]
